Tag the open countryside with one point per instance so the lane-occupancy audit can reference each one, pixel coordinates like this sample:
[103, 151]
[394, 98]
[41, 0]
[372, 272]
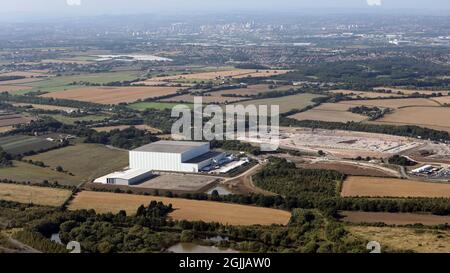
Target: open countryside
[191, 210]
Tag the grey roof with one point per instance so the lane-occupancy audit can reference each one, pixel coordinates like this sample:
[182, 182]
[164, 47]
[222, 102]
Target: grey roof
[204, 157]
[175, 147]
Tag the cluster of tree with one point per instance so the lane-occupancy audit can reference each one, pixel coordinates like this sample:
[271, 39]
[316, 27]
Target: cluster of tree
[282, 177]
[126, 139]
[362, 75]
[161, 119]
[404, 130]
[11, 78]
[5, 159]
[114, 83]
[251, 66]
[235, 145]
[401, 160]
[373, 113]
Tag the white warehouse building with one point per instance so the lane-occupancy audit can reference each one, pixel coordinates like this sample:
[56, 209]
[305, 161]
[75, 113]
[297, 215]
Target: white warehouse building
[174, 156]
[125, 178]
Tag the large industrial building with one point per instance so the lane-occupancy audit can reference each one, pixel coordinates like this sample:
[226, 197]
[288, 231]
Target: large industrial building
[175, 156]
[170, 156]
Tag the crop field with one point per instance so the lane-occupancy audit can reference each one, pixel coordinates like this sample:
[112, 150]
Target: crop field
[217, 75]
[61, 83]
[191, 210]
[73, 120]
[141, 106]
[85, 161]
[112, 95]
[431, 117]
[46, 107]
[360, 186]
[252, 90]
[212, 97]
[332, 112]
[23, 172]
[407, 91]
[16, 145]
[286, 103]
[28, 74]
[442, 100]
[418, 240]
[392, 103]
[358, 217]
[13, 119]
[14, 88]
[364, 94]
[32, 194]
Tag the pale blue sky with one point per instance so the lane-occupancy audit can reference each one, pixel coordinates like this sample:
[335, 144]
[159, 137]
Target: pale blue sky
[44, 8]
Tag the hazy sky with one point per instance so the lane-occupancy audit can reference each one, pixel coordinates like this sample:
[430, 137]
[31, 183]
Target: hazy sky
[43, 8]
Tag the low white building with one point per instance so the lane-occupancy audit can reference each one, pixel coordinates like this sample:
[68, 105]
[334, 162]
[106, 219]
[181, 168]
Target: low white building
[174, 156]
[125, 178]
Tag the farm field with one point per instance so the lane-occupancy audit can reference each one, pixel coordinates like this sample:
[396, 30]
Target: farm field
[407, 91]
[46, 107]
[431, 117]
[112, 95]
[252, 90]
[141, 106]
[123, 127]
[14, 88]
[207, 98]
[73, 120]
[331, 112]
[358, 217]
[85, 161]
[23, 172]
[442, 100]
[364, 94]
[392, 103]
[418, 240]
[32, 194]
[61, 83]
[17, 145]
[192, 210]
[217, 75]
[286, 103]
[13, 119]
[360, 186]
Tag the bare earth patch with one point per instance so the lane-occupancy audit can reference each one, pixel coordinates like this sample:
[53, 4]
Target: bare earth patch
[394, 218]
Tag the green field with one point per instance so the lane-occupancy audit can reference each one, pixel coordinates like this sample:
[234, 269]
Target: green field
[70, 120]
[18, 144]
[141, 106]
[23, 172]
[85, 161]
[61, 83]
[286, 103]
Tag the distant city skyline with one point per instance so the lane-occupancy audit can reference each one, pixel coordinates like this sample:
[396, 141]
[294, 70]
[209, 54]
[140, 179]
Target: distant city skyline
[28, 9]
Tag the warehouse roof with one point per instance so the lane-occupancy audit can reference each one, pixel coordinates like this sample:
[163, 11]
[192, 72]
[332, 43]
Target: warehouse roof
[176, 147]
[204, 157]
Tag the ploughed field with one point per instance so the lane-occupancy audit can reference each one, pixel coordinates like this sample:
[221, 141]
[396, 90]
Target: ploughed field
[192, 210]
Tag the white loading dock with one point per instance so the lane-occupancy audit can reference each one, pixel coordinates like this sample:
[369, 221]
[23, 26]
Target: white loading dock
[125, 178]
[174, 156]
